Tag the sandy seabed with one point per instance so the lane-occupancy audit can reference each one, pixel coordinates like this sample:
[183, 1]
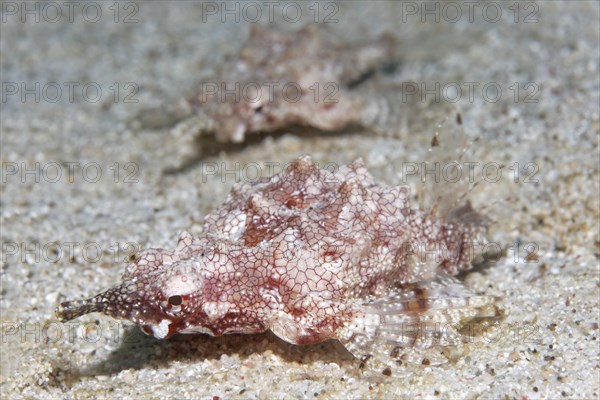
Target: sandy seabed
[83, 186]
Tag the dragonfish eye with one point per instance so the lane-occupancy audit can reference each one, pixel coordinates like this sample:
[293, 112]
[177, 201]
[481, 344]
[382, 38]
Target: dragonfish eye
[175, 300]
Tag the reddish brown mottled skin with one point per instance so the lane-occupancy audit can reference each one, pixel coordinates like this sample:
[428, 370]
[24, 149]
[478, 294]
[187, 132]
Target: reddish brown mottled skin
[310, 255]
[308, 77]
